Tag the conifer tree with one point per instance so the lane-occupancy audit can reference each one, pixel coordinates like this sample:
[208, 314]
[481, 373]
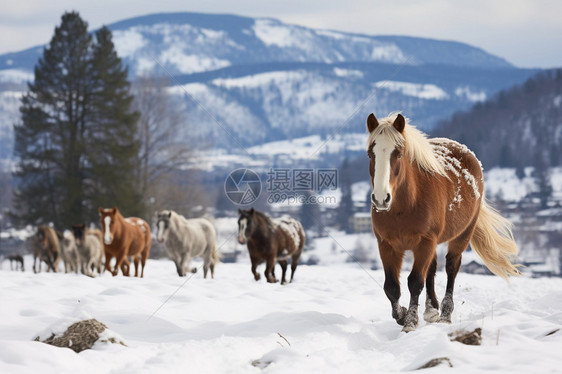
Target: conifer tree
[78, 100]
[114, 146]
[48, 140]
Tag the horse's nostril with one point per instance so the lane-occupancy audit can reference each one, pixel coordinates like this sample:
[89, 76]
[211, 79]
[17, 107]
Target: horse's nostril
[373, 197]
[387, 200]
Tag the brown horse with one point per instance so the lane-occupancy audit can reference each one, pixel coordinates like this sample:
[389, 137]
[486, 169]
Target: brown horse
[271, 240]
[46, 247]
[124, 237]
[427, 192]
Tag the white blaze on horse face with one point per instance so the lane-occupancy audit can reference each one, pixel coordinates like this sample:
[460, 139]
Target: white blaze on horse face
[242, 230]
[382, 193]
[107, 233]
[161, 231]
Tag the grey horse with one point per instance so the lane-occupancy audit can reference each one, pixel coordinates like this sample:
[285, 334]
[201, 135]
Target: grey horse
[69, 253]
[187, 238]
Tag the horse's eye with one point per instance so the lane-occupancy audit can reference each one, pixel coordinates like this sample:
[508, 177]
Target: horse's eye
[399, 155]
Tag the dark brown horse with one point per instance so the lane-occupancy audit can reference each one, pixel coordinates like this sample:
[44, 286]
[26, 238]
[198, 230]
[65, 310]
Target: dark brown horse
[46, 248]
[270, 241]
[427, 192]
[122, 238]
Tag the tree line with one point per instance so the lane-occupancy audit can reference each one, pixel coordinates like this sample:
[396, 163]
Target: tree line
[87, 136]
[518, 127]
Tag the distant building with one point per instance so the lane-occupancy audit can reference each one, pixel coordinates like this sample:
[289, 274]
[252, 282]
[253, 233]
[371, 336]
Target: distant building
[473, 267]
[361, 222]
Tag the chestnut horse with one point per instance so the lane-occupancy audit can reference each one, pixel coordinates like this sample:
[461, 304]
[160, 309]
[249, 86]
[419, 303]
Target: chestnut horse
[124, 237]
[426, 192]
[271, 240]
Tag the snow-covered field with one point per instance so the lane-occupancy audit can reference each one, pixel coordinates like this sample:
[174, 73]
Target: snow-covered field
[331, 319]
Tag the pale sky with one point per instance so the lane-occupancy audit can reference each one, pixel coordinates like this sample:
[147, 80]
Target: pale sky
[528, 33]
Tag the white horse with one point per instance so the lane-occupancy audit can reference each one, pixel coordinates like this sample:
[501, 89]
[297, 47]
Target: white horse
[69, 253]
[90, 249]
[186, 238]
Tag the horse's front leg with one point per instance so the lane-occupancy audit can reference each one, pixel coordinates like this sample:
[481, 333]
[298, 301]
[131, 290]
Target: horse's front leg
[125, 267]
[269, 269]
[187, 263]
[255, 263]
[108, 258]
[392, 262]
[121, 262]
[423, 256]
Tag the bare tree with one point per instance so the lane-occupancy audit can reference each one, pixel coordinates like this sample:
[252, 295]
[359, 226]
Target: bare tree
[163, 151]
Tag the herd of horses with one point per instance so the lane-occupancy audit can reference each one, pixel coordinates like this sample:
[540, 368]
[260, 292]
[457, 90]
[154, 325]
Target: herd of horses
[424, 192]
[123, 241]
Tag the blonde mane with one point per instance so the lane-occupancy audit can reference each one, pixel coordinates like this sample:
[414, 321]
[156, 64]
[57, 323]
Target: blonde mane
[415, 143]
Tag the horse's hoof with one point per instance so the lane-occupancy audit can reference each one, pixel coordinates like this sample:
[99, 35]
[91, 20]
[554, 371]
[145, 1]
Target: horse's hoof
[431, 315]
[444, 319]
[194, 270]
[409, 328]
[400, 316]
[257, 277]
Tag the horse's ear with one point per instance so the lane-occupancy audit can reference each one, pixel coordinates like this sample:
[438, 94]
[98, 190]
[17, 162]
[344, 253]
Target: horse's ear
[399, 123]
[100, 210]
[114, 210]
[372, 122]
[251, 211]
[170, 214]
[239, 211]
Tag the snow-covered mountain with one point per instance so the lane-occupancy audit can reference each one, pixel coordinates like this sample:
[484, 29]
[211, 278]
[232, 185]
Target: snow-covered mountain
[185, 43]
[265, 80]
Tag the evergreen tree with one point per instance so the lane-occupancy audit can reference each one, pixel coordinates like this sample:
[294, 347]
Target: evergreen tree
[78, 100]
[114, 146]
[48, 140]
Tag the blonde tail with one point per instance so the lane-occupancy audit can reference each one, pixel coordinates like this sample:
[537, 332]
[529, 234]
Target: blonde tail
[216, 256]
[494, 243]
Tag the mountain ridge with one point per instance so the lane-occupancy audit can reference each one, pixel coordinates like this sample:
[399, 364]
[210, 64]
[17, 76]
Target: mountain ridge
[527, 124]
[267, 80]
[247, 29]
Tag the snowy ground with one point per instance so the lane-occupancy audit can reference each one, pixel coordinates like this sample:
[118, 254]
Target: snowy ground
[332, 319]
